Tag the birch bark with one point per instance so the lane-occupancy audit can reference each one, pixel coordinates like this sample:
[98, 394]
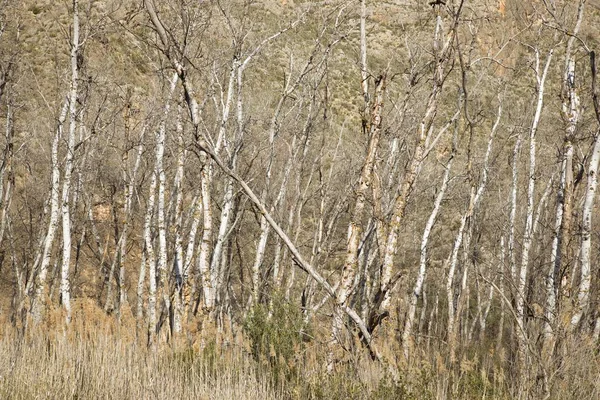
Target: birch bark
[528, 233]
[586, 237]
[122, 251]
[149, 263]
[407, 342]
[372, 128]
[425, 142]
[571, 111]
[227, 205]
[583, 296]
[455, 301]
[65, 291]
[161, 222]
[176, 318]
[40, 295]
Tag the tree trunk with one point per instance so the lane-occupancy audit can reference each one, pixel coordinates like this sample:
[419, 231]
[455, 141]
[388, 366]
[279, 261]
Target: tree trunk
[529, 228]
[65, 291]
[407, 342]
[41, 294]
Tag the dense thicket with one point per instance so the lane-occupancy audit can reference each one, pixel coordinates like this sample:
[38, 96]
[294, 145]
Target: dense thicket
[406, 184]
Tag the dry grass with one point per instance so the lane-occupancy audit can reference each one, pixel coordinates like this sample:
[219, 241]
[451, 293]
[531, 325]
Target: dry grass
[98, 359]
[109, 363]
[107, 367]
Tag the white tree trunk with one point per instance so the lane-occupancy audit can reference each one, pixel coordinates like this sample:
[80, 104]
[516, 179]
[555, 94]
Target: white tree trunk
[149, 263]
[426, 140]
[583, 297]
[572, 111]
[178, 261]
[529, 228]
[416, 294]
[264, 225]
[6, 190]
[554, 267]
[161, 219]
[195, 214]
[502, 286]
[452, 260]
[227, 206]
[126, 224]
[455, 303]
[40, 295]
[289, 88]
[205, 243]
[65, 292]
[371, 126]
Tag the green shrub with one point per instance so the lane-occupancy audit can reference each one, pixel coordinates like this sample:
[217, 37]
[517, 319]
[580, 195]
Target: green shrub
[276, 339]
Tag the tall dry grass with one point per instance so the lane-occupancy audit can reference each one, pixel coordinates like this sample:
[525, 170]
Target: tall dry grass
[108, 367]
[96, 358]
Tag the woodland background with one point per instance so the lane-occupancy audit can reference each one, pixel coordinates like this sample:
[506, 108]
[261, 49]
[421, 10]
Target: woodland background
[299, 199]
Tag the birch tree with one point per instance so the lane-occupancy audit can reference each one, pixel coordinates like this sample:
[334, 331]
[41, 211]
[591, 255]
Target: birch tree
[571, 110]
[540, 75]
[426, 140]
[463, 238]
[583, 296]
[66, 190]
[39, 300]
[371, 127]
[407, 342]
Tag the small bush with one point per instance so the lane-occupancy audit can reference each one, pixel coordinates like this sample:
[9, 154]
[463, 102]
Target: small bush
[276, 337]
